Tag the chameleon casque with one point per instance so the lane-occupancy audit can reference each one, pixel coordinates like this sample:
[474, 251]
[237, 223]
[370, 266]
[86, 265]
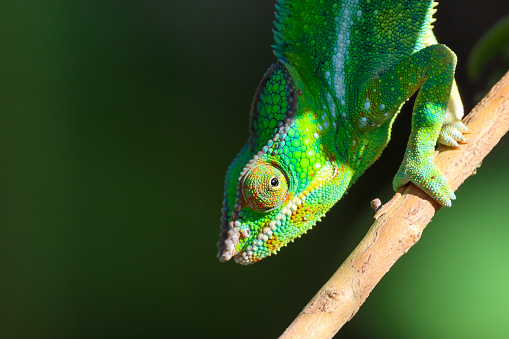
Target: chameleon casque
[323, 113]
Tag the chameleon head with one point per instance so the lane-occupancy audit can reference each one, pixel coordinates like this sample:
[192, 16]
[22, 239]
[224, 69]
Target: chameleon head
[283, 180]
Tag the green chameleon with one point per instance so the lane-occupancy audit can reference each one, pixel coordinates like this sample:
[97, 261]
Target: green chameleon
[323, 113]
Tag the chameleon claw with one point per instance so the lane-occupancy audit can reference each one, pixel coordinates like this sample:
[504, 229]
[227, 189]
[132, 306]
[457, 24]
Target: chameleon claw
[448, 141]
[452, 133]
[457, 135]
[462, 128]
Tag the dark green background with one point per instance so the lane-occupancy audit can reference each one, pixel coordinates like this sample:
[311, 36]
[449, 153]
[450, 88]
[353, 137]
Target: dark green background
[118, 120]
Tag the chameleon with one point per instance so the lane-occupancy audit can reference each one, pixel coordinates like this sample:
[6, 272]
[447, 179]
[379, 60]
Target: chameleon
[322, 114]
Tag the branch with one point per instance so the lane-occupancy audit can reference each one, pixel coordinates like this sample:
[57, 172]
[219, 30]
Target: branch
[400, 223]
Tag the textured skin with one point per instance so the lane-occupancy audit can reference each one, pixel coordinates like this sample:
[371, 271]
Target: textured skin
[323, 114]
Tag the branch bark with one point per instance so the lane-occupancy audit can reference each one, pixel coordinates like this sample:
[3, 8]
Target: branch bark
[400, 224]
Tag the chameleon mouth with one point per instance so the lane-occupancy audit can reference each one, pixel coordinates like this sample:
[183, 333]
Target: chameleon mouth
[256, 249]
[265, 244]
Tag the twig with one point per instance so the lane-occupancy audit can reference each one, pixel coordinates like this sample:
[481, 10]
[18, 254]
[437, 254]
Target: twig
[399, 225]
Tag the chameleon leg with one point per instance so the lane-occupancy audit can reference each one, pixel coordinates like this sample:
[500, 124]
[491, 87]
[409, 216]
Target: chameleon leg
[434, 66]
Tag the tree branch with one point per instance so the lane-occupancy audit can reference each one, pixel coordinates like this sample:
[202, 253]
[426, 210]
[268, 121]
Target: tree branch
[400, 223]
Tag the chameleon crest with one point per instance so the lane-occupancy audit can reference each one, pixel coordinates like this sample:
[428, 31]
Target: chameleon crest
[323, 112]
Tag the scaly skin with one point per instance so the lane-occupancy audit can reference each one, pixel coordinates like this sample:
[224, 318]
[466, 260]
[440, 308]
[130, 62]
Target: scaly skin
[323, 114]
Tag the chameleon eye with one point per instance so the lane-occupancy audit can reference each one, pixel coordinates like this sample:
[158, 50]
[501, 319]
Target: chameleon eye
[274, 182]
[264, 187]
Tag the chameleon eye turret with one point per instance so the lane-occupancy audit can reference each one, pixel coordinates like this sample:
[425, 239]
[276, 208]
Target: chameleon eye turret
[323, 114]
[264, 187]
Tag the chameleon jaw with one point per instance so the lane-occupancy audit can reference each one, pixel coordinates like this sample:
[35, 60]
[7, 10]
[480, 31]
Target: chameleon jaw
[238, 230]
[245, 256]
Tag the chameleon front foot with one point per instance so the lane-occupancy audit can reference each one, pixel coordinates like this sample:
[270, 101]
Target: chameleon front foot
[452, 133]
[427, 177]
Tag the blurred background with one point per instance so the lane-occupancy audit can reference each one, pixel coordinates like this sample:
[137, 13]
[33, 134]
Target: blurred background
[118, 120]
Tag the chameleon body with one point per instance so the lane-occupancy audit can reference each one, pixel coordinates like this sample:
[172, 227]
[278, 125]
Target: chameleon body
[323, 113]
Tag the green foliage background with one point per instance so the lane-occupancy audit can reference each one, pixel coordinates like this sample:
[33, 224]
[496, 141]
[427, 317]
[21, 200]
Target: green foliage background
[117, 122]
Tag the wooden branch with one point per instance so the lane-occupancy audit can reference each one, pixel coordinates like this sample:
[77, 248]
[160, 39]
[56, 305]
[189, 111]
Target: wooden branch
[400, 224]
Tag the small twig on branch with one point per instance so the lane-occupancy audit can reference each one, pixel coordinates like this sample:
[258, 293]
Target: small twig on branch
[400, 223]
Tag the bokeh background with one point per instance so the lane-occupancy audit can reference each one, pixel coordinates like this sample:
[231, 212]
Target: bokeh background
[118, 120]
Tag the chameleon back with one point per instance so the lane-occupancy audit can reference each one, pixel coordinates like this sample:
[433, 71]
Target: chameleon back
[331, 41]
